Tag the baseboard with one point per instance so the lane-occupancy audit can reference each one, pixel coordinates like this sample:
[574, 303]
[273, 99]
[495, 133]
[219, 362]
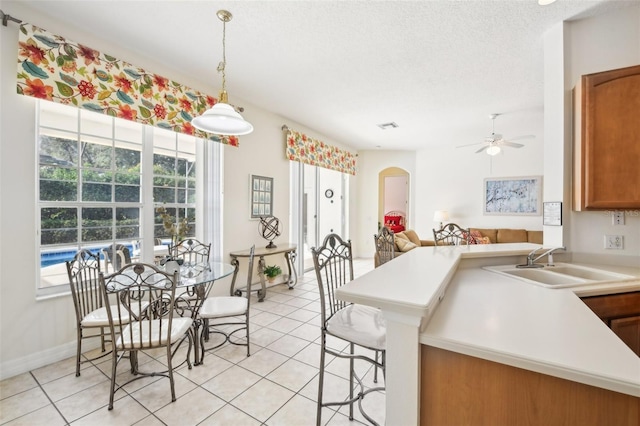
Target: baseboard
[40, 359]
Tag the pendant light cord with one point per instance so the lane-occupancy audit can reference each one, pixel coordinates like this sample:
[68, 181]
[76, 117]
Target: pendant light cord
[223, 64]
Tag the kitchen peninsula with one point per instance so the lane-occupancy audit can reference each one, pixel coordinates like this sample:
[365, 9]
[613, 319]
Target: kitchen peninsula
[440, 304]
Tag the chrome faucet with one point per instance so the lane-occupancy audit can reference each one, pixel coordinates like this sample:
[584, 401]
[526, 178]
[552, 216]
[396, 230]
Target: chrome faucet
[532, 259]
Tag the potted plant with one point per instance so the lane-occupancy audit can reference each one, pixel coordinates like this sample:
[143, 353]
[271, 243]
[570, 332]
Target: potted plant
[272, 272]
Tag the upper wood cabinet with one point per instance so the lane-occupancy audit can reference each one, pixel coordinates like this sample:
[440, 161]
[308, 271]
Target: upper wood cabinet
[607, 140]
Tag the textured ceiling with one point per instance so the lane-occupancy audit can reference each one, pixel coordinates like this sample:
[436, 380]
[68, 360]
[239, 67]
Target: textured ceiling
[436, 68]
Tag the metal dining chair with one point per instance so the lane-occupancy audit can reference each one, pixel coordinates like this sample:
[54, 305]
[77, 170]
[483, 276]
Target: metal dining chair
[355, 324]
[91, 314]
[221, 314]
[451, 235]
[146, 296]
[385, 245]
[116, 256]
[191, 251]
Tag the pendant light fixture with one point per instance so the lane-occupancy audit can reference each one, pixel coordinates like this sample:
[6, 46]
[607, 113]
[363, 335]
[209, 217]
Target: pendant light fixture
[222, 118]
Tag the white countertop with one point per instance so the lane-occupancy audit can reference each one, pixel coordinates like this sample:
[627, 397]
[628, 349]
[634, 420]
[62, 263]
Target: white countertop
[412, 283]
[502, 319]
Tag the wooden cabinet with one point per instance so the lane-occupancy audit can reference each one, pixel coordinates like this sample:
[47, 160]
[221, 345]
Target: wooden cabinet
[457, 389]
[607, 140]
[621, 312]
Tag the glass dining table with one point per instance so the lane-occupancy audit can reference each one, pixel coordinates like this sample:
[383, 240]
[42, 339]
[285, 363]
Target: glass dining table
[195, 284]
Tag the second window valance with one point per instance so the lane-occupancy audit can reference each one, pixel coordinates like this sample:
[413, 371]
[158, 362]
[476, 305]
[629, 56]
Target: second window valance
[311, 151]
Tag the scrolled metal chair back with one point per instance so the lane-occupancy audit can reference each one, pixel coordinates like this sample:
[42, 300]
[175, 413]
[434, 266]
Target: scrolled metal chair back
[83, 272]
[333, 264]
[191, 251]
[385, 245]
[145, 294]
[451, 235]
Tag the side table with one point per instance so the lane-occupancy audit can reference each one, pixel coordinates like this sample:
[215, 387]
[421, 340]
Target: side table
[287, 250]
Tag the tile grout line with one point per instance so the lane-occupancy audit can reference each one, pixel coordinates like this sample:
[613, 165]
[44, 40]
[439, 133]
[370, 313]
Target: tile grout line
[66, 422]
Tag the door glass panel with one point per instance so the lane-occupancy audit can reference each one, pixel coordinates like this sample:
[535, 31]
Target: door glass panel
[323, 211]
[330, 205]
[308, 215]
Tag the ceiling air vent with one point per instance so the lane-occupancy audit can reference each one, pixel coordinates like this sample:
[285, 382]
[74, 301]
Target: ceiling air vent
[385, 126]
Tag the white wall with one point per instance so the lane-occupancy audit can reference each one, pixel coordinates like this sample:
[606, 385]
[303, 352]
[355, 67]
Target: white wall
[598, 44]
[37, 332]
[449, 178]
[364, 219]
[395, 193]
[452, 179]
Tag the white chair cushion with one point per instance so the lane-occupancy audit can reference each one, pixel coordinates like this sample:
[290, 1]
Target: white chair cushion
[142, 338]
[216, 307]
[362, 325]
[99, 318]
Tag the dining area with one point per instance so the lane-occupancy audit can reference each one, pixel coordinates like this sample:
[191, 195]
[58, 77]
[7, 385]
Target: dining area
[277, 384]
[143, 307]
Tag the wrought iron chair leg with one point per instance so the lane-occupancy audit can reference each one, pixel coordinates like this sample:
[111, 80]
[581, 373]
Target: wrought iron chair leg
[375, 370]
[133, 360]
[321, 378]
[351, 372]
[114, 366]
[78, 351]
[247, 327]
[170, 372]
[102, 338]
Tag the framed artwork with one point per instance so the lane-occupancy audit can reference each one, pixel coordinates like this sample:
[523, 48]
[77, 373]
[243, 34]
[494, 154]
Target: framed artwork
[552, 213]
[261, 196]
[513, 196]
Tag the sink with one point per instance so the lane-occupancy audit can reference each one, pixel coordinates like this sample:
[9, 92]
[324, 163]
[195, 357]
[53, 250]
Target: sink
[544, 277]
[561, 275]
[586, 273]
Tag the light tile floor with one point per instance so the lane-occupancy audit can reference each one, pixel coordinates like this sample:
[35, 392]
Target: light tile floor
[276, 385]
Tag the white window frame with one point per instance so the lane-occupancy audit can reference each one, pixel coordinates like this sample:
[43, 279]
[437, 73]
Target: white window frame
[209, 169]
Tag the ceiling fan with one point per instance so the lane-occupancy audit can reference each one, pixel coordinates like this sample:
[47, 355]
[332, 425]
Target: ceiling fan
[493, 143]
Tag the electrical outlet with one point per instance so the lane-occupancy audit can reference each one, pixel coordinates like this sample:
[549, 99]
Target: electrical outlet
[614, 242]
[618, 218]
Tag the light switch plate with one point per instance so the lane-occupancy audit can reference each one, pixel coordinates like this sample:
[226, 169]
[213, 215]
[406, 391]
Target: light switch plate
[617, 218]
[614, 242]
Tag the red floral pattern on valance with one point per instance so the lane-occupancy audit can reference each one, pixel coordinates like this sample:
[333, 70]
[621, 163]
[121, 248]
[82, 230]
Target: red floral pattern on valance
[311, 151]
[53, 68]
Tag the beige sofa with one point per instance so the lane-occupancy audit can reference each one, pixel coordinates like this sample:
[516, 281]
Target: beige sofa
[505, 235]
[408, 240]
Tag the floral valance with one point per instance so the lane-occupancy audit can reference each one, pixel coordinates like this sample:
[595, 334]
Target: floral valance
[311, 151]
[56, 69]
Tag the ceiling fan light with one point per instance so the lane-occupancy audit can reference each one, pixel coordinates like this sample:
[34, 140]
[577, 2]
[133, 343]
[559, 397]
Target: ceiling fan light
[493, 150]
[222, 119]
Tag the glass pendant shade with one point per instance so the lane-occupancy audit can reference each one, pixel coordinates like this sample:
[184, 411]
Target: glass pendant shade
[493, 150]
[222, 119]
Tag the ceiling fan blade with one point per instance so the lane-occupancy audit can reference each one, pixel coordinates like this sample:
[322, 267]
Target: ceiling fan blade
[511, 144]
[522, 137]
[482, 149]
[469, 144]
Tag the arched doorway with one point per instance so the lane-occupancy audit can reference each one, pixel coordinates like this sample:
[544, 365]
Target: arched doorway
[393, 193]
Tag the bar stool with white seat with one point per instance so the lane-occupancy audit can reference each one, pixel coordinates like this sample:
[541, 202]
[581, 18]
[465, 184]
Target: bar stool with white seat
[355, 324]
